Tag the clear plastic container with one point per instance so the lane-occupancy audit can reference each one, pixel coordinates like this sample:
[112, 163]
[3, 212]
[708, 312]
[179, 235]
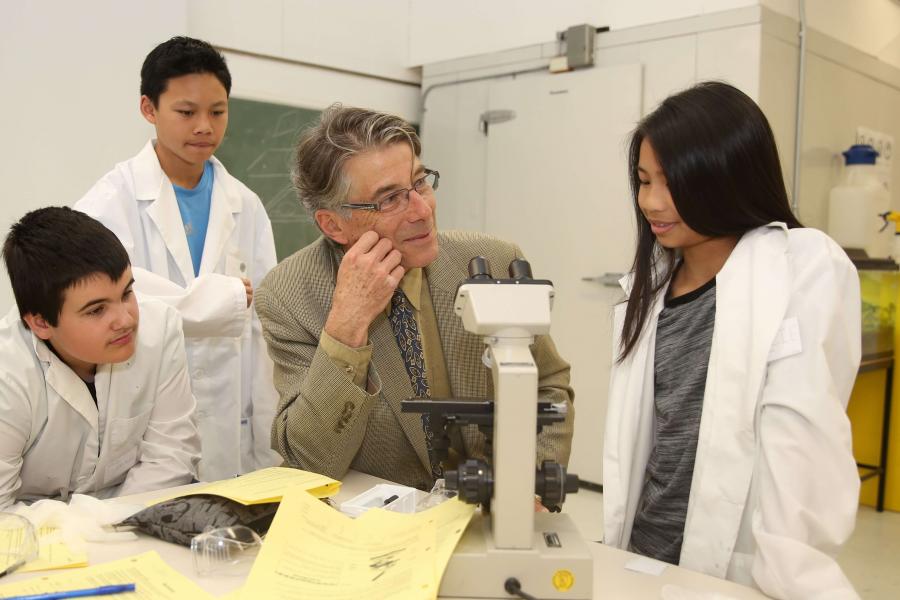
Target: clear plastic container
[18, 542]
[856, 203]
[226, 550]
[397, 498]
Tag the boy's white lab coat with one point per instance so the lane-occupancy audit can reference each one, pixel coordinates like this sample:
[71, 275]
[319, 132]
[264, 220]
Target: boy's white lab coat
[230, 370]
[55, 441]
[775, 487]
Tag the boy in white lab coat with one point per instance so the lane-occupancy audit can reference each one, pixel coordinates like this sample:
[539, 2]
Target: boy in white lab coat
[200, 241]
[89, 402]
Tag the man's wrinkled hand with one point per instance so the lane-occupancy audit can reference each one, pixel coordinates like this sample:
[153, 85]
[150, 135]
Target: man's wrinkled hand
[366, 279]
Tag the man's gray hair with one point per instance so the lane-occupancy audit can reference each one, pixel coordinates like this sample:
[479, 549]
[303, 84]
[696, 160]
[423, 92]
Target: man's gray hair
[342, 132]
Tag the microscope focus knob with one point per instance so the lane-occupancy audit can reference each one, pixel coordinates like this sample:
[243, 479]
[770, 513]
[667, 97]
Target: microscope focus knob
[552, 483]
[474, 480]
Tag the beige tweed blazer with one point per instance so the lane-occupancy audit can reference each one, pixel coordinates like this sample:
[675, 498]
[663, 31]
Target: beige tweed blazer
[326, 424]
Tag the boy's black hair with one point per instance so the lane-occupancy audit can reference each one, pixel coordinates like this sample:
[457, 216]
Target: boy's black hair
[51, 249]
[181, 56]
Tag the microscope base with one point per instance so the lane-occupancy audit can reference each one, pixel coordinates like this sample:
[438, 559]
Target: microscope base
[478, 570]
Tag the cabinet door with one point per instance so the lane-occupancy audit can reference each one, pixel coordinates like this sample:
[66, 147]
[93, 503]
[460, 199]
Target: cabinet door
[556, 183]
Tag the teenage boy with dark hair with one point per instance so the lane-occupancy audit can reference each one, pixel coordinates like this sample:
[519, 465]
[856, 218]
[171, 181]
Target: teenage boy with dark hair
[200, 241]
[86, 404]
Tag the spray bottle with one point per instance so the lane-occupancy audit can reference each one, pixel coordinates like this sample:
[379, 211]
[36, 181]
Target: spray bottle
[889, 217]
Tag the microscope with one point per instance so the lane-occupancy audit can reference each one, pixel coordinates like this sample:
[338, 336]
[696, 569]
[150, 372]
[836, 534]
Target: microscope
[509, 550]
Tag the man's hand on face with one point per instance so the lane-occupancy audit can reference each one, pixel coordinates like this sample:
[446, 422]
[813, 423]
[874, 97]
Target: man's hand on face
[366, 279]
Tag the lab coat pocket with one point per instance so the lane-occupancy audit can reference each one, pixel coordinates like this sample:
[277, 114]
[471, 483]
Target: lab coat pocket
[128, 431]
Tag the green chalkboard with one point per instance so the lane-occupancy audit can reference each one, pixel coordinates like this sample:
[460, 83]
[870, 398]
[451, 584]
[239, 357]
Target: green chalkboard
[257, 149]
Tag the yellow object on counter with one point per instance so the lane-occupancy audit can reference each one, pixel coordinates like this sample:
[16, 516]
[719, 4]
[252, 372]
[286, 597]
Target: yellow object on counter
[265, 485]
[54, 554]
[153, 579]
[314, 551]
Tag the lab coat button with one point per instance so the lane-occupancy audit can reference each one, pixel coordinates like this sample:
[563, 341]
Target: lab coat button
[199, 374]
[243, 267]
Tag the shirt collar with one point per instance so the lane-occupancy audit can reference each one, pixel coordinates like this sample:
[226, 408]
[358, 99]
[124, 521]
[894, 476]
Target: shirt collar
[411, 284]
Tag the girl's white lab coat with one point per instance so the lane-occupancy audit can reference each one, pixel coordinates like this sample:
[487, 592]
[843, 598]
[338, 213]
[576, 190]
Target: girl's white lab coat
[55, 441]
[230, 370]
[775, 487]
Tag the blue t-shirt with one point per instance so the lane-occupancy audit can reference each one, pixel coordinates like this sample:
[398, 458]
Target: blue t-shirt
[194, 207]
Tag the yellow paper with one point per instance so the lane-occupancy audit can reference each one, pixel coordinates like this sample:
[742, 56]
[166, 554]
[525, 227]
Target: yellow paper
[265, 485]
[12, 542]
[153, 579]
[313, 551]
[54, 554]
[450, 519]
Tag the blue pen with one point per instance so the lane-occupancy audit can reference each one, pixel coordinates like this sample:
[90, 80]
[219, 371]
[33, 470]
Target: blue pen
[103, 590]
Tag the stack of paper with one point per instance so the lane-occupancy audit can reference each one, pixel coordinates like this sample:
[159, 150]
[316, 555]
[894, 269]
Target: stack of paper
[153, 579]
[314, 551]
[53, 553]
[265, 485]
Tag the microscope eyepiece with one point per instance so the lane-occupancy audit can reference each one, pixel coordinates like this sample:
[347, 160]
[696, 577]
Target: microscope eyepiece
[480, 268]
[519, 269]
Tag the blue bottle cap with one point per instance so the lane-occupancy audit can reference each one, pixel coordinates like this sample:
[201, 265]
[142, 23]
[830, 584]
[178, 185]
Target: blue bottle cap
[860, 154]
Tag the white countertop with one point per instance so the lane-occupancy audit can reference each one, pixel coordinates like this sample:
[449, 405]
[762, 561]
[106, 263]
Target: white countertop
[611, 580]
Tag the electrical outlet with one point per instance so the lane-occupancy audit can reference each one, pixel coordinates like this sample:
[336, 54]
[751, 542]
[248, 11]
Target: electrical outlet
[882, 142]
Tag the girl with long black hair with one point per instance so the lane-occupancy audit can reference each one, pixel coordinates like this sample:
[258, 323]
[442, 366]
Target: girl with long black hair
[727, 447]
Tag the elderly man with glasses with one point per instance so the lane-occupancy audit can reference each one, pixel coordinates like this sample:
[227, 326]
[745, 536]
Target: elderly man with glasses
[363, 317]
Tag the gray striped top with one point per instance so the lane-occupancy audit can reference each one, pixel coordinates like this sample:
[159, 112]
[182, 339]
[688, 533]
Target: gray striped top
[683, 340]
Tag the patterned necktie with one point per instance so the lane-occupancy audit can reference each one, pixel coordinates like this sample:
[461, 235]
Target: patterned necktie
[403, 324]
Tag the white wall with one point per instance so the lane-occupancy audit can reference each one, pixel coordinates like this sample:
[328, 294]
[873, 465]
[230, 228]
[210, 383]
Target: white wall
[69, 107]
[70, 69]
[845, 87]
[71, 75]
[353, 35]
[447, 30]
[872, 26]
[839, 100]
[311, 53]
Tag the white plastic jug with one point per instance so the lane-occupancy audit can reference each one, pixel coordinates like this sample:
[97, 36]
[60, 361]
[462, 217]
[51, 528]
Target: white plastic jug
[856, 203]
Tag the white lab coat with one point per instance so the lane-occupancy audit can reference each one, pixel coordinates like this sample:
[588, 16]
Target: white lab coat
[775, 487]
[230, 370]
[55, 441]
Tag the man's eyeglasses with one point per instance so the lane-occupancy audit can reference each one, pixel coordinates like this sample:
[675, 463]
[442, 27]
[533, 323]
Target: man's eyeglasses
[399, 200]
